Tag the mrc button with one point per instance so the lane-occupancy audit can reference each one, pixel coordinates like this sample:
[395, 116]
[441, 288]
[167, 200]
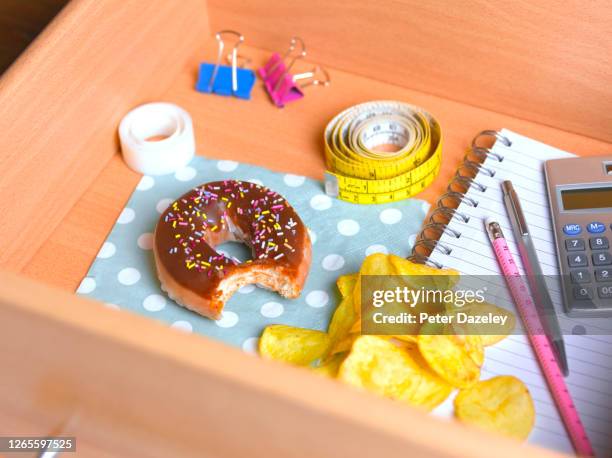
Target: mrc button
[572, 229]
[596, 227]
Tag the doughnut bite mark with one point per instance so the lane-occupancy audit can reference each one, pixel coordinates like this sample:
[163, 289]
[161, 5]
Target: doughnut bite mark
[199, 278]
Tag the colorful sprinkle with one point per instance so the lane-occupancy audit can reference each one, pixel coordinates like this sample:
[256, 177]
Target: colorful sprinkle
[191, 224]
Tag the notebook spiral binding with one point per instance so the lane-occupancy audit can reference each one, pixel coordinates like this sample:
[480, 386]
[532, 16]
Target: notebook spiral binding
[428, 240]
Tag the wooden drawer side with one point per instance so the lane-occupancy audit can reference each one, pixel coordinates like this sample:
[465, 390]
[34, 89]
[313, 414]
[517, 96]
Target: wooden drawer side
[142, 389]
[61, 102]
[546, 61]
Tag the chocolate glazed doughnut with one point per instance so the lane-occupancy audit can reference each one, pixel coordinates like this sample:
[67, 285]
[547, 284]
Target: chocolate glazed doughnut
[201, 279]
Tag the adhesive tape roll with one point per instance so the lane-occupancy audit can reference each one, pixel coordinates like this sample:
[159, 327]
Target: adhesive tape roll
[381, 151]
[157, 138]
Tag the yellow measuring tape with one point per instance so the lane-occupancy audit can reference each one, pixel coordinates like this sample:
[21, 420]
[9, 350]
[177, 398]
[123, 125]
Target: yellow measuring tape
[381, 151]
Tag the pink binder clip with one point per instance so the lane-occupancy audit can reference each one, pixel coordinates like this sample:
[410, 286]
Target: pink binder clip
[278, 81]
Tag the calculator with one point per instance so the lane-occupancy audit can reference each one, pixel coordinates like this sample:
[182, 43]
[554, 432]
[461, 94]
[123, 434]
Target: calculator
[580, 196]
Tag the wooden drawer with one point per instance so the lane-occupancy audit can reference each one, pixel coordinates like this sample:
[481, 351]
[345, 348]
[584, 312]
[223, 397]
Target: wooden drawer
[76, 367]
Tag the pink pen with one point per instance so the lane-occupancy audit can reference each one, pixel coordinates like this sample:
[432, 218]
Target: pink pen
[540, 343]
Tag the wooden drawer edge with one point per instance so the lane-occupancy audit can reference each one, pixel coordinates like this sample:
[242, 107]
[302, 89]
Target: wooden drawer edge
[186, 393]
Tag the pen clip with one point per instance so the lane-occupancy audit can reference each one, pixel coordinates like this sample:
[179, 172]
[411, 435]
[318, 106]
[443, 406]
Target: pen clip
[517, 211]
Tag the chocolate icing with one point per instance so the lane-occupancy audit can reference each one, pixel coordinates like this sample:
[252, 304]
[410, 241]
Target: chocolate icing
[213, 213]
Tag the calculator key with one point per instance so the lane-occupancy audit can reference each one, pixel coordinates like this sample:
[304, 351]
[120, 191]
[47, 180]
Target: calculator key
[602, 259]
[603, 274]
[572, 229]
[599, 243]
[582, 293]
[596, 227]
[580, 276]
[574, 244]
[605, 291]
[577, 260]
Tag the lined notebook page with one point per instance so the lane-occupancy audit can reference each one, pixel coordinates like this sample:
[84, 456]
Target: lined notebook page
[589, 356]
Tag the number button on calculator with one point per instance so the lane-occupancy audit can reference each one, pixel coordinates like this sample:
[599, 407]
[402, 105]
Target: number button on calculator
[602, 259]
[583, 293]
[580, 276]
[577, 260]
[574, 244]
[603, 274]
[605, 292]
[599, 243]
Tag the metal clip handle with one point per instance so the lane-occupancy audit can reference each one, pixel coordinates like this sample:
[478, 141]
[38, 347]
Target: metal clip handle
[234, 54]
[311, 75]
[242, 61]
[296, 43]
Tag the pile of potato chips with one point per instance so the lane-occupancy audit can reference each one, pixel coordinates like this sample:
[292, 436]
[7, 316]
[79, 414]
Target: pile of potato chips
[420, 369]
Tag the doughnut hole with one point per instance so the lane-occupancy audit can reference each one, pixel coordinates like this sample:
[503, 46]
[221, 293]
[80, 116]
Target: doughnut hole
[235, 250]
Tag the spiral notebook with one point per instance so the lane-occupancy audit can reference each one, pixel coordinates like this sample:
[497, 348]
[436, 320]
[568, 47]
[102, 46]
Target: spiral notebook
[455, 238]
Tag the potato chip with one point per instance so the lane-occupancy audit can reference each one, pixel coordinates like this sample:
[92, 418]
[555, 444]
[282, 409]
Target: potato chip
[376, 364]
[483, 330]
[400, 343]
[492, 339]
[375, 264]
[474, 347]
[345, 344]
[346, 284]
[343, 319]
[433, 390]
[293, 345]
[418, 369]
[356, 328]
[455, 358]
[330, 368]
[502, 404]
[442, 279]
[408, 338]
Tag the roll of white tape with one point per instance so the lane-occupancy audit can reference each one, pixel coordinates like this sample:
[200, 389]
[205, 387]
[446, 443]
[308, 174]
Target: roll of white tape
[157, 138]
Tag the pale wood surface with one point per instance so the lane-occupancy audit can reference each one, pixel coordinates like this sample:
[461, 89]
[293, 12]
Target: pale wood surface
[549, 61]
[255, 131]
[133, 387]
[62, 99]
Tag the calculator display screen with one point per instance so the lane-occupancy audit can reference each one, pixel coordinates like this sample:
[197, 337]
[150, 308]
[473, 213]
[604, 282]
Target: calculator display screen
[586, 198]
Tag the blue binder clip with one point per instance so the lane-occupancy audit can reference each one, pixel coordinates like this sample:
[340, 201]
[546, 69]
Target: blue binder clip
[226, 80]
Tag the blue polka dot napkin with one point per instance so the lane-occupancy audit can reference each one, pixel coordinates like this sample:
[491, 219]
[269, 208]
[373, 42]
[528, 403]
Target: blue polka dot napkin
[123, 273]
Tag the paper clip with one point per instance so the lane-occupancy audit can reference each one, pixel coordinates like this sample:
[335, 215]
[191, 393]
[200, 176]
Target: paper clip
[278, 81]
[223, 79]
